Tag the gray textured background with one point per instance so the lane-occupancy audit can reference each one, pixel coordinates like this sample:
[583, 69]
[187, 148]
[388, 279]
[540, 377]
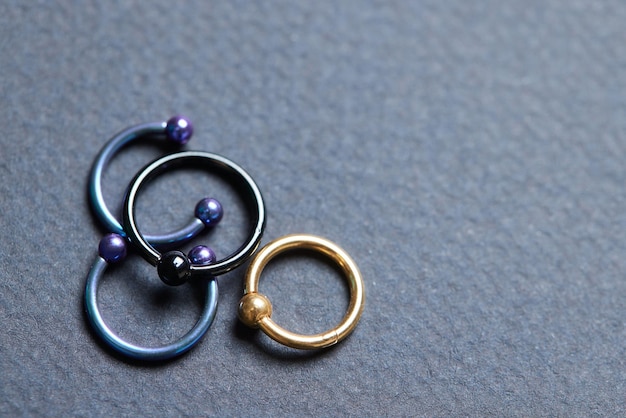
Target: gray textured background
[468, 155]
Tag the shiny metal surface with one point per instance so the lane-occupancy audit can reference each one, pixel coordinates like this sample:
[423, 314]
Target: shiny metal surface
[255, 309]
[238, 177]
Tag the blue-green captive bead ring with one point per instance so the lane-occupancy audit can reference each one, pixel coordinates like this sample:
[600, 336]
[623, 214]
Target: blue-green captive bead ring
[164, 352]
[155, 130]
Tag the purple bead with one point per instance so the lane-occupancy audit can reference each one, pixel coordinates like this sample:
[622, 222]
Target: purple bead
[179, 130]
[112, 248]
[209, 211]
[201, 255]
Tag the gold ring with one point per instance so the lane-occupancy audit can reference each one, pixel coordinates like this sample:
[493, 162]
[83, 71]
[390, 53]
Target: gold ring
[255, 309]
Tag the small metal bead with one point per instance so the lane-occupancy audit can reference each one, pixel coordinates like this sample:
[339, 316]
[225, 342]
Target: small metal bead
[112, 248]
[179, 130]
[174, 268]
[253, 307]
[209, 211]
[202, 255]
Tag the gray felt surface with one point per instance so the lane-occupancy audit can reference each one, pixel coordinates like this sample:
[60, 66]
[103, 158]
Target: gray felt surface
[468, 155]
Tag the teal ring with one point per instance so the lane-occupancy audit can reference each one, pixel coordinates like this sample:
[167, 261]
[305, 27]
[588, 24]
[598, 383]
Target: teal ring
[165, 352]
[156, 131]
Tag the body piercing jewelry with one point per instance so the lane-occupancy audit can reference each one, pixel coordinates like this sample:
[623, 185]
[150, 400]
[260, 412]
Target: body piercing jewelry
[175, 267]
[112, 249]
[177, 130]
[255, 309]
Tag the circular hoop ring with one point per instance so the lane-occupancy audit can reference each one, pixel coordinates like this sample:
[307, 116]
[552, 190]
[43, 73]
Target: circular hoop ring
[245, 184]
[155, 130]
[255, 309]
[164, 352]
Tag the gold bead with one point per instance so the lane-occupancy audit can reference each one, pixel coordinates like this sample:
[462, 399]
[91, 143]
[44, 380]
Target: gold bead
[253, 307]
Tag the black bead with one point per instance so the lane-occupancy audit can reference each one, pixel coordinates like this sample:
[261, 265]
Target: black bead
[173, 268]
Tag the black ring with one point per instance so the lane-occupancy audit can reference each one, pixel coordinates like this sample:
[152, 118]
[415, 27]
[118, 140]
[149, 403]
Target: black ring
[238, 177]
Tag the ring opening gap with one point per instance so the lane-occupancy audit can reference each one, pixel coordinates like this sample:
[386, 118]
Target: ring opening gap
[117, 175]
